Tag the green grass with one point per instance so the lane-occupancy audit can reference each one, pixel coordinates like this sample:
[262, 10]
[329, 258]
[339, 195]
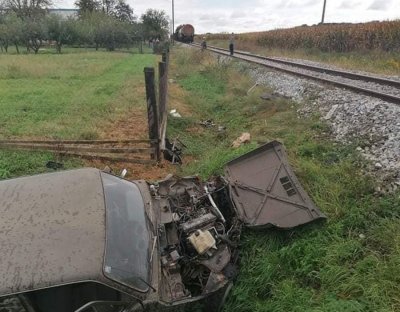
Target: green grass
[67, 96]
[69, 49]
[17, 163]
[349, 263]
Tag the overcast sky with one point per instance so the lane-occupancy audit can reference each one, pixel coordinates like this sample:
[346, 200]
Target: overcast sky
[256, 15]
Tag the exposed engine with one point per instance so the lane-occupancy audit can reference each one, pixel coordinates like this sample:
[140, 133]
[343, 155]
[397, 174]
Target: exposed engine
[198, 236]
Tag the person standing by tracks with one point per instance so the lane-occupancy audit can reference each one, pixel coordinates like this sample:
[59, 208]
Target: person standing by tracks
[232, 43]
[204, 44]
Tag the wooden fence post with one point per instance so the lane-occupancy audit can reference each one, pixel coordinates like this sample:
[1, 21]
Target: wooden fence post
[163, 92]
[152, 111]
[162, 87]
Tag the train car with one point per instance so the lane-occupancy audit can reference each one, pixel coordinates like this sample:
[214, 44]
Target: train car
[184, 33]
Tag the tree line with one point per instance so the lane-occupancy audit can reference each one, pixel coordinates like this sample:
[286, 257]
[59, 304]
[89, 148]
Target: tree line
[108, 24]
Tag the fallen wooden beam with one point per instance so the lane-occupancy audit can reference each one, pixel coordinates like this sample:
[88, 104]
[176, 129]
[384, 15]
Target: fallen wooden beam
[108, 158]
[61, 147]
[123, 141]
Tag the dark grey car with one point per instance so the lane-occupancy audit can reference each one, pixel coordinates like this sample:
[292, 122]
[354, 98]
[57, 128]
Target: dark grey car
[85, 240]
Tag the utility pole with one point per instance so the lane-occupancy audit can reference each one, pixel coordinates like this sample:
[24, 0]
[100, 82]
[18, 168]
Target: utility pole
[173, 16]
[173, 21]
[323, 12]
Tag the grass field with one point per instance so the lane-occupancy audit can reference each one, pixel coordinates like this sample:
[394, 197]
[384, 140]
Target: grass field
[67, 96]
[351, 262]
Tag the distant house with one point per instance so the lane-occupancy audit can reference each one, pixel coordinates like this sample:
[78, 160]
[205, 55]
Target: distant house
[64, 12]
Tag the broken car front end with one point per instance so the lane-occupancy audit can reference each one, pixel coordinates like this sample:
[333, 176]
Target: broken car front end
[200, 222]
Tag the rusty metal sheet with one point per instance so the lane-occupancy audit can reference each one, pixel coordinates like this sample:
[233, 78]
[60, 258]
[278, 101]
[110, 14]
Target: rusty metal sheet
[266, 192]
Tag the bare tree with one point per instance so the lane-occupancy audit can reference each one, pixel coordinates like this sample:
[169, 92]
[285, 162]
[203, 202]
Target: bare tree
[27, 8]
[87, 7]
[124, 12]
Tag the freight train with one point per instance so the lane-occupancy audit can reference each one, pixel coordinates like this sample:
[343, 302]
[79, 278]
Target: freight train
[184, 33]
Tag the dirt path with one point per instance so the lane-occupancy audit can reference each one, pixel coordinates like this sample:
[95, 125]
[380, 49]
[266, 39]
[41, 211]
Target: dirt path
[134, 125]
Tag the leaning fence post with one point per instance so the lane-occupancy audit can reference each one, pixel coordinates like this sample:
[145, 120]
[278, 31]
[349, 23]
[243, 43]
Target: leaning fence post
[152, 112]
[162, 89]
[162, 106]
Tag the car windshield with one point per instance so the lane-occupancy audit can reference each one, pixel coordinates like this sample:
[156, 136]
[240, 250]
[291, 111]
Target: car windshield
[127, 235]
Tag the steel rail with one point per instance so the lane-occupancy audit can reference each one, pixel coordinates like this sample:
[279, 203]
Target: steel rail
[384, 96]
[335, 72]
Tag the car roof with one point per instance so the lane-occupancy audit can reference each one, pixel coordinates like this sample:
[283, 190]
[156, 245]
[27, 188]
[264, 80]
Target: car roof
[52, 230]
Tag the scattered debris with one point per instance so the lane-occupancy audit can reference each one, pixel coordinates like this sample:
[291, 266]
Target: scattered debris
[221, 128]
[124, 172]
[243, 139]
[171, 81]
[207, 123]
[174, 113]
[107, 169]
[331, 112]
[173, 151]
[252, 88]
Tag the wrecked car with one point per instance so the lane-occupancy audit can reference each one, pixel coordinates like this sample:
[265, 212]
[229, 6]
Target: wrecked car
[85, 240]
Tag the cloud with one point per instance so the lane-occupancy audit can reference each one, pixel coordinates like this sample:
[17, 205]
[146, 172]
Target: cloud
[293, 4]
[349, 5]
[258, 15]
[380, 5]
[238, 14]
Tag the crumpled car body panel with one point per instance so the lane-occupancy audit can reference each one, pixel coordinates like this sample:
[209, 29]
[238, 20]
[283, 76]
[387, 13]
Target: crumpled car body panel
[266, 192]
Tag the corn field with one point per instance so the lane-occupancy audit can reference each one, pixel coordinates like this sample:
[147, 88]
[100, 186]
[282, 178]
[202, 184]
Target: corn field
[383, 36]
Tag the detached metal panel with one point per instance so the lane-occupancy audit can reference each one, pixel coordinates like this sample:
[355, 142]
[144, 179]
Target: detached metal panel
[266, 192]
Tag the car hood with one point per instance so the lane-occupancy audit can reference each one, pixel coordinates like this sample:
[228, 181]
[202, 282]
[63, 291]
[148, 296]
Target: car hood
[266, 192]
[52, 229]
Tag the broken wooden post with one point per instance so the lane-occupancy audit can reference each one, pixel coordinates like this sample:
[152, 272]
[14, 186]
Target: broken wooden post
[162, 88]
[152, 111]
[162, 107]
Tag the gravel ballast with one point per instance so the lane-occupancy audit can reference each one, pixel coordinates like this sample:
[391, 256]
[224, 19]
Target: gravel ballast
[372, 124]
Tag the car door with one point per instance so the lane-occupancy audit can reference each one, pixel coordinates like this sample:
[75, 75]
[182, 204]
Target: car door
[265, 191]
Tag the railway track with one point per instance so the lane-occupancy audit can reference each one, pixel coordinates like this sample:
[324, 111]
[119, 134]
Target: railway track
[378, 87]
